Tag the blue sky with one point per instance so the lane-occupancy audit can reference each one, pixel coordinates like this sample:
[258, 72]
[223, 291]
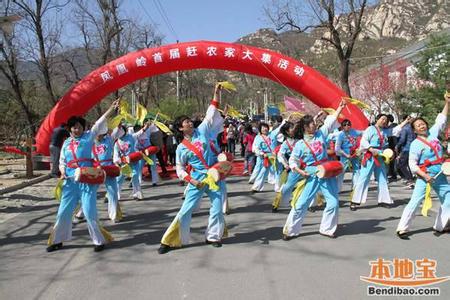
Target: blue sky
[202, 19]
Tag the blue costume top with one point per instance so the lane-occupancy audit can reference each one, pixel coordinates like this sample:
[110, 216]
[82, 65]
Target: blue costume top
[374, 137]
[82, 148]
[347, 141]
[124, 146]
[262, 145]
[419, 152]
[285, 150]
[201, 137]
[103, 151]
[312, 149]
[143, 140]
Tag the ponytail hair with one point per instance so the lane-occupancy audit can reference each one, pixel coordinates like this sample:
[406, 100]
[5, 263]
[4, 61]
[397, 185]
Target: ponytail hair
[304, 122]
[285, 128]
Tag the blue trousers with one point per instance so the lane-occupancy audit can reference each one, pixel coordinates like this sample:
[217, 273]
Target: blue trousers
[442, 189]
[136, 170]
[362, 183]
[72, 192]
[355, 163]
[178, 232]
[328, 225]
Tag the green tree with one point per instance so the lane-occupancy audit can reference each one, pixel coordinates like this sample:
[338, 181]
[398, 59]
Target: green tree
[433, 73]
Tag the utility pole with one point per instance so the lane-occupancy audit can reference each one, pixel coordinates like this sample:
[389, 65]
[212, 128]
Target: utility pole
[266, 103]
[178, 85]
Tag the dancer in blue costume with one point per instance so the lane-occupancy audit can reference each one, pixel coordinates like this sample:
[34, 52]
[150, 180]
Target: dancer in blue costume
[77, 152]
[266, 161]
[346, 148]
[124, 146]
[426, 156]
[102, 152]
[195, 150]
[308, 153]
[291, 137]
[373, 142]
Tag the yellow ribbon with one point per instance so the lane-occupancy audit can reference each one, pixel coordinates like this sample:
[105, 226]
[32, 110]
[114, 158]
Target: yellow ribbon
[209, 181]
[273, 162]
[298, 190]
[126, 170]
[427, 204]
[57, 191]
[147, 159]
[108, 237]
[283, 177]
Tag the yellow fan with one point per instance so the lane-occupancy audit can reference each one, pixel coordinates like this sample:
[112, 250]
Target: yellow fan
[114, 122]
[234, 113]
[123, 106]
[357, 102]
[141, 113]
[163, 127]
[332, 111]
[227, 85]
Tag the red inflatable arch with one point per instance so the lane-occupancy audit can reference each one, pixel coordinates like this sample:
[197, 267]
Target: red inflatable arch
[186, 56]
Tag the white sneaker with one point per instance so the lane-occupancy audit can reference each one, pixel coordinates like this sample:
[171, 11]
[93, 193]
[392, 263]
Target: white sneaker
[138, 196]
[245, 172]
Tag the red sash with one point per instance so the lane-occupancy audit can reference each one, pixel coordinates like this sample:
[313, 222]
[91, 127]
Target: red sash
[291, 147]
[268, 145]
[73, 164]
[196, 152]
[380, 137]
[97, 162]
[439, 160]
[316, 162]
[368, 155]
[121, 152]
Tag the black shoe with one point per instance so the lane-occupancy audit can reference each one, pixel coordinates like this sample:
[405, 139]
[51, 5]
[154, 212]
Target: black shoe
[403, 235]
[287, 238]
[163, 249]
[312, 209]
[154, 184]
[215, 244]
[274, 209]
[438, 233]
[98, 248]
[54, 247]
[105, 200]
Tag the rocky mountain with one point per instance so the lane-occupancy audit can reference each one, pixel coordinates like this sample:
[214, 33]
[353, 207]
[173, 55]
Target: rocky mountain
[406, 19]
[387, 26]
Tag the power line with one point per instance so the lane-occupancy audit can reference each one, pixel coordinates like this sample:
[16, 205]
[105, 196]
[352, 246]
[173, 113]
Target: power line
[165, 18]
[148, 15]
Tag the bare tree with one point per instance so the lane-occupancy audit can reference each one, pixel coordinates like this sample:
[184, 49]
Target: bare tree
[9, 68]
[40, 20]
[340, 23]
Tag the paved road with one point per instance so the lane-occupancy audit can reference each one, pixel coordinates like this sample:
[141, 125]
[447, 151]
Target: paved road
[254, 263]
